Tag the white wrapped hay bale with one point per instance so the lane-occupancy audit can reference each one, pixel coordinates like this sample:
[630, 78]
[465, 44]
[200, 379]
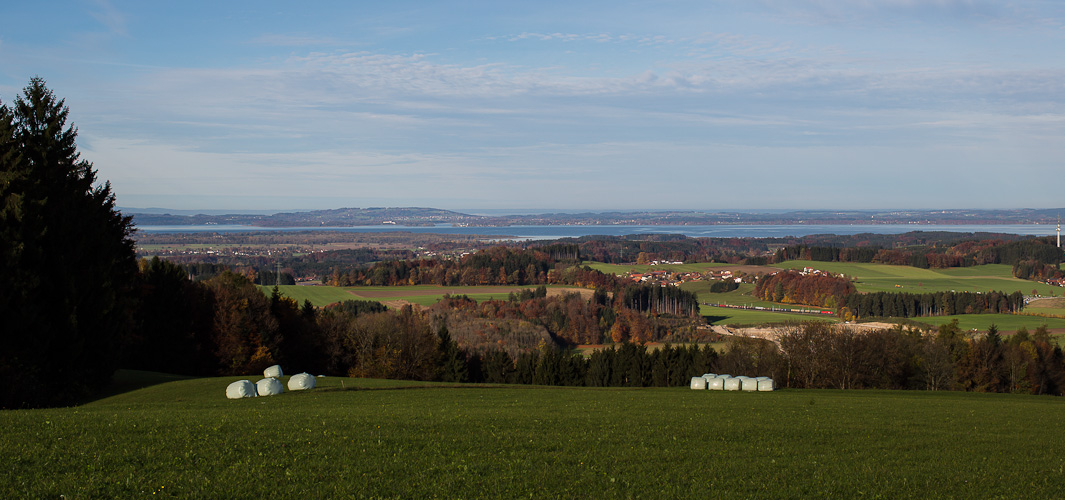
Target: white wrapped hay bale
[269, 387]
[698, 383]
[733, 383]
[765, 385]
[241, 389]
[718, 383]
[749, 384]
[301, 381]
[273, 372]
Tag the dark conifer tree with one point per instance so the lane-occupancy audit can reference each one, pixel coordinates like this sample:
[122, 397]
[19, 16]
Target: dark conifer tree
[68, 266]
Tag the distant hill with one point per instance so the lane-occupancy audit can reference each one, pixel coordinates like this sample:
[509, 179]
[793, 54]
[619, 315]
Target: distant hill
[340, 217]
[418, 216]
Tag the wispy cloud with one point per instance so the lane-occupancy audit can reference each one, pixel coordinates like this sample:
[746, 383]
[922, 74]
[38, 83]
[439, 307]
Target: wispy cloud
[109, 16]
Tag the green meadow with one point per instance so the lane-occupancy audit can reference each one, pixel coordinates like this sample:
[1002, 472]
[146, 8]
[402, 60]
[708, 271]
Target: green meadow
[742, 297]
[425, 295]
[888, 278]
[389, 439]
[620, 269]
[320, 296]
[1004, 322]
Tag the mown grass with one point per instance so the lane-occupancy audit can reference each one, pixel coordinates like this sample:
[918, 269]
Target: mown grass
[387, 439]
[887, 278]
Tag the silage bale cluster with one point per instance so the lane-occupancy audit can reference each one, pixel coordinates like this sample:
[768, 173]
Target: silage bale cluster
[269, 385]
[726, 382]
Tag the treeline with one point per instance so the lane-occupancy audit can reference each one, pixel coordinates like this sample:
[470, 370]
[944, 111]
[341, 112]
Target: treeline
[226, 325]
[821, 355]
[661, 300]
[494, 266]
[1030, 257]
[627, 365]
[498, 265]
[567, 319]
[625, 249]
[910, 305]
[792, 287]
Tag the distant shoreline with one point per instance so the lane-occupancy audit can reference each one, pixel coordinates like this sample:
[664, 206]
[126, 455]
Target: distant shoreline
[538, 232]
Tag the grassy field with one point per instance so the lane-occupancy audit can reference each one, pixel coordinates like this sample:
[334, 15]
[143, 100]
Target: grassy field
[386, 439]
[318, 295]
[1004, 322]
[742, 297]
[884, 278]
[425, 295]
[620, 269]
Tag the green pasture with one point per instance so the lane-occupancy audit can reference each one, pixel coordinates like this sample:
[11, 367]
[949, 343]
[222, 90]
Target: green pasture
[744, 317]
[428, 300]
[1004, 322]
[325, 295]
[388, 439]
[742, 297]
[620, 269]
[884, 278]
[318, 295]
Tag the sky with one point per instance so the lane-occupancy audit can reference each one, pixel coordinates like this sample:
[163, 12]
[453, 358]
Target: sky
[556, 105]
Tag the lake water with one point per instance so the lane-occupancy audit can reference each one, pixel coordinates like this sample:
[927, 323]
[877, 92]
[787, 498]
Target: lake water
[715, 231]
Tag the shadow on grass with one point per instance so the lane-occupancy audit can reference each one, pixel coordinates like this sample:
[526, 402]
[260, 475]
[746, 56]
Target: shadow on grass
[130, 380]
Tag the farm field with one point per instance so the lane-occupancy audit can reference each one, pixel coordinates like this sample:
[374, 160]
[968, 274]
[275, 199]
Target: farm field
[1004, 322]
[620, 269]
[884, 278]
[1047, 306]
[425, 295]
[742, 317]
[741, 297]
[375, 438]
[320, 296]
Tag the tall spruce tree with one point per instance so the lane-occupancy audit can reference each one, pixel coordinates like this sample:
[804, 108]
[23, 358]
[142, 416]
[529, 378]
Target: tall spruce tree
[67, 261]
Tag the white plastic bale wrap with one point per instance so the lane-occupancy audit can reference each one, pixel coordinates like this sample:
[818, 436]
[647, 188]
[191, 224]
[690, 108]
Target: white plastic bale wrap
[749, 384]
[269, 387]
[765, 385]
[732, 384]
[241, 389]
[273, 372]
[717, 383]
[301, 381]
[698, 383]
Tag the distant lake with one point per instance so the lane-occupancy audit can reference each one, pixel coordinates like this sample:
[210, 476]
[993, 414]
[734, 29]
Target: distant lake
[715, 231]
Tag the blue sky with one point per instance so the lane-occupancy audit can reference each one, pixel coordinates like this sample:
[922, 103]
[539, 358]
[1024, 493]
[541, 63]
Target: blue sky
[756, 104]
